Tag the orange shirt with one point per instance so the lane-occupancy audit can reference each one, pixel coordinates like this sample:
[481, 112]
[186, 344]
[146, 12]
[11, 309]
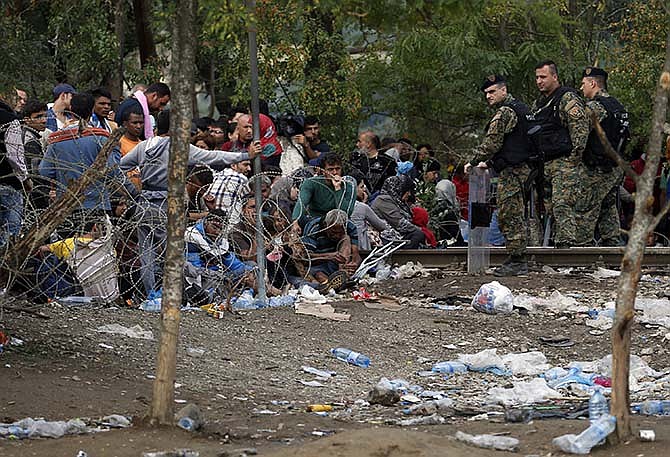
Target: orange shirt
[127, 144]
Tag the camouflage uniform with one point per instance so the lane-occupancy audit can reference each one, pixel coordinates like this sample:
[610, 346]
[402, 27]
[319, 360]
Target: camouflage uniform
[510, 182]
[562, 175]
[597, 203]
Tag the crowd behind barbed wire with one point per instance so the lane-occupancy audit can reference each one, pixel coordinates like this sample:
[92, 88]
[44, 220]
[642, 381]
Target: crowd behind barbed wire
[319, 212]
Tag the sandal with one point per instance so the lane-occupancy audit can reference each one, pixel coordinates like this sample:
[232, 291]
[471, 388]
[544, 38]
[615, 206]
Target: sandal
[335, 281]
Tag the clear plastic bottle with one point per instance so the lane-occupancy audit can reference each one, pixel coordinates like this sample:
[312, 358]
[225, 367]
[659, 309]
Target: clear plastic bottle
[450, 367]
[589, 438]
[597, 406]
[189, 418]
[655, 408]
[349, 356]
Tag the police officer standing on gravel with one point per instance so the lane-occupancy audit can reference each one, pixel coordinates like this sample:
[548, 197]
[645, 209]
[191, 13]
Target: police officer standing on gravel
[506, 149]
[601, 175]
[561, 137]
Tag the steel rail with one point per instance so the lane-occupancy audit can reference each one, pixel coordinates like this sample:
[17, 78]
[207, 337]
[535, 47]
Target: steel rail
[580, 256]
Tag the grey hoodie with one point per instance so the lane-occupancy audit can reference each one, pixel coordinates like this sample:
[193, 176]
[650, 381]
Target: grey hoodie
[151, 156]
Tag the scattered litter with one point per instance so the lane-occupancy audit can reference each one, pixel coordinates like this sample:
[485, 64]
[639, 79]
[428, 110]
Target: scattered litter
[556, 303]
[385, 303]
[362, 295]
[133, 332]
[589, 438]
[601, 322]
[604, 273]
[647, 435]
[526, 363]
[324, 311]
[265, 412]
[384, 393]
[500, 443]
[430, 407]
[484, 361]
[195, 352]
[319, 408]
[319, 373]
[310, 383]
[656, 311]
[446, 307]
[534, 391]
[352, 357]
[434, 419]
[115, 421]
[189, 418]
[175, 453]
[309, 294]
[31, 428]
[411, 269]
[493, 298]
[105, 346]
[557, 341]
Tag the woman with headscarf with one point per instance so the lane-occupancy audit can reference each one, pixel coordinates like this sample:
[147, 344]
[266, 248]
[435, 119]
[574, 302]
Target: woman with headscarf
[392, 206]
[285, 192]
[445, 213]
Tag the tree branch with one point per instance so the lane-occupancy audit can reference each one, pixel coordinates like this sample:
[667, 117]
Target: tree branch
[609, 150]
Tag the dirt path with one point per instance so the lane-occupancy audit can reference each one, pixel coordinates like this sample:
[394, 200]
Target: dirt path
[248, 380]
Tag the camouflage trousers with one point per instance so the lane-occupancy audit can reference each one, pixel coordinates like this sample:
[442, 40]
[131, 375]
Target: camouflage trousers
[596, 206]
[511, 208]
[562, 177]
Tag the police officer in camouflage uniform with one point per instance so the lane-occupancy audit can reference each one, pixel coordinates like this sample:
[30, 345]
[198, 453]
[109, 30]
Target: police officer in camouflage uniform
[601, 177]
[506, 149]
[560, 114]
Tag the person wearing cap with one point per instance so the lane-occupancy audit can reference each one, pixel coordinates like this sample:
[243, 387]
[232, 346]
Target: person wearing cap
[58, 115]
[601, 179]
[560, 115]
[507, 150]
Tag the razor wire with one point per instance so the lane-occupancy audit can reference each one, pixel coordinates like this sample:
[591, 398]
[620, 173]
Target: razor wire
[97, 252]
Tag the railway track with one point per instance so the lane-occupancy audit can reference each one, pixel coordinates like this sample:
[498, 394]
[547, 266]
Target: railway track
[585, 256]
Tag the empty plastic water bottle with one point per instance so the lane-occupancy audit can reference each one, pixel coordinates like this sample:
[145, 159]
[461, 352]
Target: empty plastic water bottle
[597, 406]
[189, 418]
[655, 408]
[589, 438]
[450, 367]
[349, 356]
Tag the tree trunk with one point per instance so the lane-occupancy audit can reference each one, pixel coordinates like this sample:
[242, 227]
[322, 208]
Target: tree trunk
[643, 224]
[183, 51]
[145, 37]
[120, 32]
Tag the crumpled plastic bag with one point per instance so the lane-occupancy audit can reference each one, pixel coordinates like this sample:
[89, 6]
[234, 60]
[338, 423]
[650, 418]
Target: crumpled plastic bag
[556, 302]
[534, 391]
[486, 360]
[131, 332]
[656, 311]
[493, 298]
[526, 363]
[53, 429]
[500, 443]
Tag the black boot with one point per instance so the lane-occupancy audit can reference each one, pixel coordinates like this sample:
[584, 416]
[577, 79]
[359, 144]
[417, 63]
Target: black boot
[514, 266]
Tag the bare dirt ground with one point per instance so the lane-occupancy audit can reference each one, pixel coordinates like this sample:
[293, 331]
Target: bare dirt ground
[247, 382]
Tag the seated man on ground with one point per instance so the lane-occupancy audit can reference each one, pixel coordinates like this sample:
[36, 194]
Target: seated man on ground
[332, 242]
[320, 194]
[210, 266]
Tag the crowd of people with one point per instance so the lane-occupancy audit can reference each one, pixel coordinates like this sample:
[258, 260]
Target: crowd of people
[320, 208]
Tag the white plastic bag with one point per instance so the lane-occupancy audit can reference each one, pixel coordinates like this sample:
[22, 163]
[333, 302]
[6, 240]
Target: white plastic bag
[493, 298]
